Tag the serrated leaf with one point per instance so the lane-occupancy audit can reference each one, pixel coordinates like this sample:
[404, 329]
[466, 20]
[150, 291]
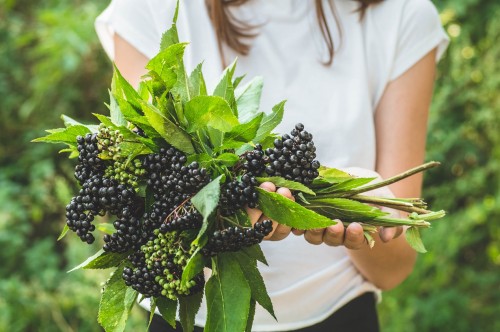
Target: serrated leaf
[133, 149]
[344, 209]
[258, 289]
[251, 316]
[413, 238]
[228, 296]
[166, 61]
[225, 87]
[248, 99]
[121, 89]
[292, 185]
[167, 309]
[168, 130]
[228, 159]
[346, 185]
[193, 266]
[115, 113]
[188, 307]
[245, 132]
[105, 228]
[88, 260]
[205, 201]
[116, 302]
[106, 260]
[63, 233]
[197, 82]
[289, 213]
[64, 135]
[332, 173]
[256, 252]
[270, 121]
[211, 111]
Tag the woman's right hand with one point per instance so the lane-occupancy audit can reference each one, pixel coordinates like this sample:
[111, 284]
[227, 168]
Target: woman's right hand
[279, 231]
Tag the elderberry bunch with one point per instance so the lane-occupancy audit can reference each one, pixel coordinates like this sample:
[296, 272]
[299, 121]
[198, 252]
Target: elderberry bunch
[236, 194]
[128, 233]
[234, 238]
[89, 163]
[293, 156]
[126, 172]
[172, 254]
[108, 142]
[182, 218]
[255, 161]
[140, 277]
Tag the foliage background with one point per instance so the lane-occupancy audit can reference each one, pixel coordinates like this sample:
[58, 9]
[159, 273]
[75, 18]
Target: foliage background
[51, 63]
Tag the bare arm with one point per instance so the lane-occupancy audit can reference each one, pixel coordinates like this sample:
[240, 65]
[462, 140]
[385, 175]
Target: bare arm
[401, 127]
[129, 60]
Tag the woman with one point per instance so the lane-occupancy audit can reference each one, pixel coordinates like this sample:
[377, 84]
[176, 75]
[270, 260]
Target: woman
[359, 75]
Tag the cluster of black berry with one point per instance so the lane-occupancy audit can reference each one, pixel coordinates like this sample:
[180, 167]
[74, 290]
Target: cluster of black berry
[183, 217]
[128, 235]
[89, 163]
[293, 156]
[140, 277]
[171, 182]
[234, 238]
[236, 194]
[255, 161]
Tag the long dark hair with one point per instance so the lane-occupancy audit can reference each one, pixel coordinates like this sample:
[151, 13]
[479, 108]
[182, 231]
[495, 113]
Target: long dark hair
[235, 33]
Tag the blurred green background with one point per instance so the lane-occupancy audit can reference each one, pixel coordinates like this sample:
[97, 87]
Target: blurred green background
[52, 63]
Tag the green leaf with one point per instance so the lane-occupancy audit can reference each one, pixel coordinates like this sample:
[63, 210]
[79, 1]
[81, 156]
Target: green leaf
[289, 213]
[245, 132]
[169, 37]
[248, 99]
[121, 89]
[167, 129]
[87, 261]
[106, 261]
[346, 185]
[212, 111]
[205, 201]
[259, 293]
[133, 149]
[188, 307]
[228, 296]
[251, 316]
[115, 113]
[71, 122]
[225, 87]
[332, 173]
[165, 63]
[228, 159]
[256, 252]
[116, 302]
[270, 121]
[63, 233]
[197, 82]
[106, 228]
[193, 266]
[237, 81]
[152, 310]
[167, 309]
[64, 135]
[412, 235]
[292, 185]
[344, 209]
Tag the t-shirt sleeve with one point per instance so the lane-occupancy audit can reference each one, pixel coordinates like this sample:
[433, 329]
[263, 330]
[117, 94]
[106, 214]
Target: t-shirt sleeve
[420, 31]
[135, 21]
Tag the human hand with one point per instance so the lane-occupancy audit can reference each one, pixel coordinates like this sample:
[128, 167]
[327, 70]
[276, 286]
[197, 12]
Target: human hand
[279, 231]
[351, 235]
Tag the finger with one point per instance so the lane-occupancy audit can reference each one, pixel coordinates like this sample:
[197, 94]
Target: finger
[388, 233]
[297, 232]
[334, 235]
[314, 236]
[285, 192]
[280, 232]
[354, 237]
[268, 186]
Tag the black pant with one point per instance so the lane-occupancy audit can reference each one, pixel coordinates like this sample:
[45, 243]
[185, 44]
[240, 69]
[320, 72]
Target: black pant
[359, 314]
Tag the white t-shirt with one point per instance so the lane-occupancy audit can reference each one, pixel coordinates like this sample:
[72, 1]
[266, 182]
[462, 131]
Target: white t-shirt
[336, 103]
